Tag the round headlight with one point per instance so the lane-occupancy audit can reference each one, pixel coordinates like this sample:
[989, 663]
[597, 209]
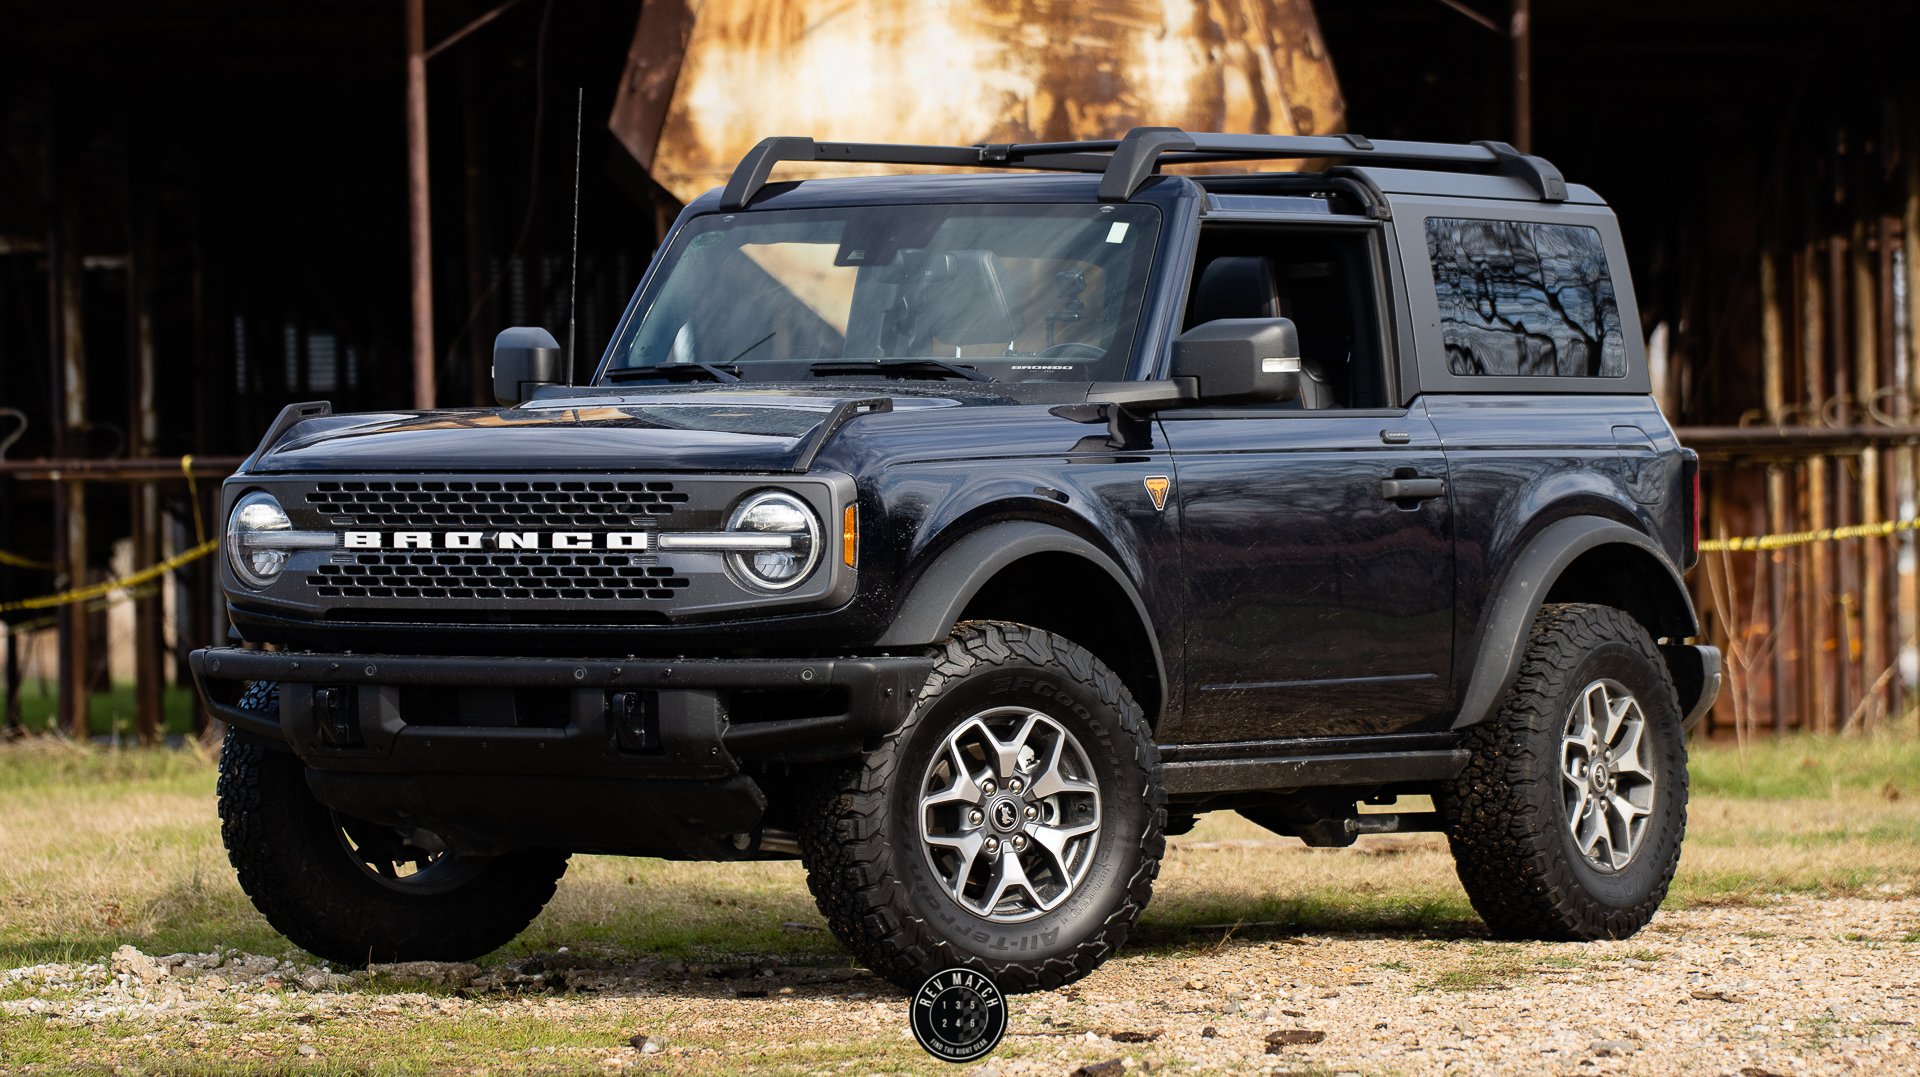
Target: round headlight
[775, 516]
[257, 566]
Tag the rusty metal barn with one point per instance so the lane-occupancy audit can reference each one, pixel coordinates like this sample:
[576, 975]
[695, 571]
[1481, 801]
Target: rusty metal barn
[210, 210]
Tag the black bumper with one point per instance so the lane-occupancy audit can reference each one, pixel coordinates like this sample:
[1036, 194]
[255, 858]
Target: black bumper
[592, 754]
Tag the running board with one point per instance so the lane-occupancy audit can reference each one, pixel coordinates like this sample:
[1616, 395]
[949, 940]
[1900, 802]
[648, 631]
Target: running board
[1186, 778]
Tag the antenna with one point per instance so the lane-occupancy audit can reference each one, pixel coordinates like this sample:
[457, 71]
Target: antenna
[573, 278]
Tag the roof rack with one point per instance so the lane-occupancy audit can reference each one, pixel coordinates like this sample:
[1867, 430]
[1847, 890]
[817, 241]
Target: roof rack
[1125, 164]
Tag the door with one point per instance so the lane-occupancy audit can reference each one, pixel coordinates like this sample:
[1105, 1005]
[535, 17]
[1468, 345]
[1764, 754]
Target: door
[1319, 584]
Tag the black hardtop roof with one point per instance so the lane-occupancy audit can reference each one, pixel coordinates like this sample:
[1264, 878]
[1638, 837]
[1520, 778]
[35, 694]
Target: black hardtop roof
[1125, 164]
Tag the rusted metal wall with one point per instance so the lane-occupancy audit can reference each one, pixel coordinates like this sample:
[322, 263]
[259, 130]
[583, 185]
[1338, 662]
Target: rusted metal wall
[705, 81]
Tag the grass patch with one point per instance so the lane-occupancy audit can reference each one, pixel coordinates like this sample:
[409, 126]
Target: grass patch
[1809, 768]
[109, 713]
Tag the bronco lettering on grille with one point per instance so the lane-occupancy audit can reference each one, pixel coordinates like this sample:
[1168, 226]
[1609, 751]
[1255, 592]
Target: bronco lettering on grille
[497, 540]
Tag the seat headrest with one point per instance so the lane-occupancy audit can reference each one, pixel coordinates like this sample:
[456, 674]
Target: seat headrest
[1235, 286]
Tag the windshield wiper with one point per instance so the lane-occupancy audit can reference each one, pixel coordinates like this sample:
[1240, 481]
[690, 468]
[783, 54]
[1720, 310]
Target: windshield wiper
[897, 368]
[681, 371]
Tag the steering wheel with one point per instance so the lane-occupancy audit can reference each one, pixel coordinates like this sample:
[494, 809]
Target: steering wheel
[1073, 350]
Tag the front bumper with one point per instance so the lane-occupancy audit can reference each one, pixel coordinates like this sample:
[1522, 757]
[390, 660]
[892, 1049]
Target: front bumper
[640, 755]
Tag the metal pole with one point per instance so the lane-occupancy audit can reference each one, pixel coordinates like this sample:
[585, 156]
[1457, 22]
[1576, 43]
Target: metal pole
[418, 205]
[69, 360]
[1864, 290]
[1774, 389]
[1520, 33]
[1822, 645]
[149, 643]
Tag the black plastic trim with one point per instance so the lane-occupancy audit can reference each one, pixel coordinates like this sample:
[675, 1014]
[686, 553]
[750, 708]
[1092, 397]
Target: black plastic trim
[1210, 777]
[1526, 583]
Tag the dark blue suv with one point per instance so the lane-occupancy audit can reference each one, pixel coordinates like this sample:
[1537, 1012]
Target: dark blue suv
[964, 535]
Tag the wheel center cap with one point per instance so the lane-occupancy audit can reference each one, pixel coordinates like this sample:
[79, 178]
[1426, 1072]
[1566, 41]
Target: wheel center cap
[1005, 815]
[1599, 777]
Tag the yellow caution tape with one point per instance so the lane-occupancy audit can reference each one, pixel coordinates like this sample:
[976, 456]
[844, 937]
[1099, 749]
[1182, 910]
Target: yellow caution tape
[106, 587]
[1808, 538]
[14, 560]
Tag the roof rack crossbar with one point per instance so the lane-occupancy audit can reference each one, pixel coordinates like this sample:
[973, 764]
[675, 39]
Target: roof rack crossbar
[1125, 164]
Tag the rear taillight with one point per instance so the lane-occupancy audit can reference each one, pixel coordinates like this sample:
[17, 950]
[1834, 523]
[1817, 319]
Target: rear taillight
[1690, 485]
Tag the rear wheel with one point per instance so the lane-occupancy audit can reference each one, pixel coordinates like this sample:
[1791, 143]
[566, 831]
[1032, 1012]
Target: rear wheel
[1568, 820]
[1013, 825]
[357, 892]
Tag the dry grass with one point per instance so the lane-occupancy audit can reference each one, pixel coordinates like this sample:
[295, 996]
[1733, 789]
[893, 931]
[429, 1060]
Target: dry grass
[101, 848]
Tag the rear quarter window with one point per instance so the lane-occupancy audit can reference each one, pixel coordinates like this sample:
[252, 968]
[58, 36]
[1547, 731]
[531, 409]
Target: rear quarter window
[1521, 298]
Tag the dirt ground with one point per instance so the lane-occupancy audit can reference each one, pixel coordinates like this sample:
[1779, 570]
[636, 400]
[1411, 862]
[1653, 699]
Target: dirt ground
[1800, 986]
[1790, 945]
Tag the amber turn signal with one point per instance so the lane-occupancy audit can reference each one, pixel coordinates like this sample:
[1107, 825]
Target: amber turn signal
[850, 536]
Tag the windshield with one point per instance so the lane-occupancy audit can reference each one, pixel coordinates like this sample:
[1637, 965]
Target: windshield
[1006, 292]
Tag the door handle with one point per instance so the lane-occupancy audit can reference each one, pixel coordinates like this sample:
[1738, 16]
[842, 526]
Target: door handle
[1412, 489]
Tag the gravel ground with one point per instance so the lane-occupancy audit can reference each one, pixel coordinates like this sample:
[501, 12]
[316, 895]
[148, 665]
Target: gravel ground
[1796, 986]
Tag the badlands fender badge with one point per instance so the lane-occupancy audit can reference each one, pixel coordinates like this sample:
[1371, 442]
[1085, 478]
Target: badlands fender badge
[1157, 486]
[958, 1015]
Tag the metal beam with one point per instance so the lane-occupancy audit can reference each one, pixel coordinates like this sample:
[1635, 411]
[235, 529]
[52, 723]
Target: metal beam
[453, 39]
[142, 469]
[419, 205]
[1520, 32]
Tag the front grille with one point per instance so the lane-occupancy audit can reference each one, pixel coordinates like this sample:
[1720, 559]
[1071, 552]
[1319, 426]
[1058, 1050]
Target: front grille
[495, 575]
[474, 504]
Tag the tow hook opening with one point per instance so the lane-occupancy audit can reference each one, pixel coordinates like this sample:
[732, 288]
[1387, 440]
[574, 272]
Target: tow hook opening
[336, 716]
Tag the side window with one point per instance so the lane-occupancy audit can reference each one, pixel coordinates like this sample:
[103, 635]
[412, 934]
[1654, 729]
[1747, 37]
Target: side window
[1520, 298]
[1322, 279]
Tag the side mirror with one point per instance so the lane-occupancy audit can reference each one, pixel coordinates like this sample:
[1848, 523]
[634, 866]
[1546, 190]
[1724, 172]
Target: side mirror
[1240, 360]
[524, 358]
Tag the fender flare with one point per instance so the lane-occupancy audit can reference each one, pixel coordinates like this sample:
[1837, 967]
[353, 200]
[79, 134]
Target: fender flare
[1523, 590]
[942, 593]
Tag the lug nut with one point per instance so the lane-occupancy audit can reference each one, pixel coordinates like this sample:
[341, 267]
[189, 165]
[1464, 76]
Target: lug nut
[1032, 812]
[1019, 842]
[976, 817]
[987, 787]
[1013, 786]
[993, 846]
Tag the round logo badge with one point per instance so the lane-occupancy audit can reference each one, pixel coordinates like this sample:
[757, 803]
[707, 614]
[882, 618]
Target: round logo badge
[958, 1015]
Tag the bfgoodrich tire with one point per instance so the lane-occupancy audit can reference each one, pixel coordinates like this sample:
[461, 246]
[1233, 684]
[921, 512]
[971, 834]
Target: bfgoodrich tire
[1567, 822]
[1013, 825]
[353, 892]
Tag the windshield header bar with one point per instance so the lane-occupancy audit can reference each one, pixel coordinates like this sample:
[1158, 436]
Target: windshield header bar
[1126, 163]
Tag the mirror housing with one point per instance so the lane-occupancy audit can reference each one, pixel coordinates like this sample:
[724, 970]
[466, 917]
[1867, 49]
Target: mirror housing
[525, 358]
[1240, 360]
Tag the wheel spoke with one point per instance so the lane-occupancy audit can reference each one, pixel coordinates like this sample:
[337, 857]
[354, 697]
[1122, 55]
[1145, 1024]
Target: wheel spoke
[963, 789]
[1616, 712]
[1052, 781]
[1006, 753]
[968, 847]
[1627, 757]
[1625, 810]
[1578, 806]
[1588, 732]
[1574, 760]
[1588, 832]
[1008, 874]
[1053, 840]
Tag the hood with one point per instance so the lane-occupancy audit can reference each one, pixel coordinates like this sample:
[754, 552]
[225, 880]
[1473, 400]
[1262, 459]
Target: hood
[675, 430]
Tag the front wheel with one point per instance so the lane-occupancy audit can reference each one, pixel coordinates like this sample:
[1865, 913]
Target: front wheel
[355, 892]
[1567, 822]
[1013, 825]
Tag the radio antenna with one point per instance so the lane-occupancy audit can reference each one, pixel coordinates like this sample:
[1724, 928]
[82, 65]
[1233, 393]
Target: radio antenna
[573, 278]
